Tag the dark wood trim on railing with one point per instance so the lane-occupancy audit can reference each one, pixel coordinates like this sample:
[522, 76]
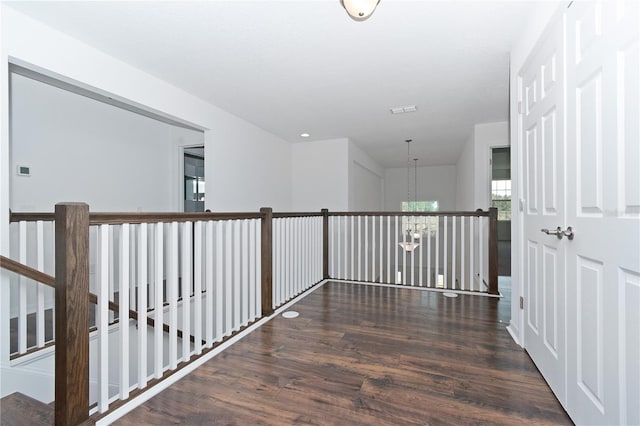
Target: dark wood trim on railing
[72, 313]
[296, 214]
[477, 213]
[493, 251]
[119, 218]
[31, 217]
[266, 260]
[325, 243]
[27, 271]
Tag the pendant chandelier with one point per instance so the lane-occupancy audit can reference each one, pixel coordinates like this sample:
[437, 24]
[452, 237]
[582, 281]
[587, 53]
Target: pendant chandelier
[411, 233]
[360, 10]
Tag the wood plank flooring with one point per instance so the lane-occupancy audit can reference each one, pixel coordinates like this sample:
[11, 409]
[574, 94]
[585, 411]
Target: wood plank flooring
[370, 355]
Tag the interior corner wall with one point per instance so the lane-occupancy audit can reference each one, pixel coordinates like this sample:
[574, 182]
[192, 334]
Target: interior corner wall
[246, 167]
[366, 181]
[435, 183]
[320, 175]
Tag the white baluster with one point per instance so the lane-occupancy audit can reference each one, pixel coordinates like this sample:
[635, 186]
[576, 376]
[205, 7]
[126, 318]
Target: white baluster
[102, 320]
[237, 304]
[244, 241]
[276, 262]
[471, 254]
[404, 254]
[332, 271]
[142, 306]
[389, 249]
[22, 294]
[366, 248]
[453, 252]
[219, 283]
[359, 248]
[258, 251]
[186, 290]
[228, 275]
[480, 254]
[429, 223]
[197, 287]
[420, 282]
[437, 247]
[39, 287]
[172, 294]
[413, 263]
[252, 270]
[123, 314]
[158, 332]
[395, 247]
[445, 282]
[352, 258]
[380, 273]
[462, 252]
[209, 259]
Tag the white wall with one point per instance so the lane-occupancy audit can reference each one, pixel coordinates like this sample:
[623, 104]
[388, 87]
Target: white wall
[473, 169]
[465, 173]
[487, 136]
[320, 175]
[366, 181]
[250, 167]
[79, 149]
[538, 21]
[434, 183]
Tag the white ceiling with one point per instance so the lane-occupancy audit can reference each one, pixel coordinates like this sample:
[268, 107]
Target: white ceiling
[305, 66]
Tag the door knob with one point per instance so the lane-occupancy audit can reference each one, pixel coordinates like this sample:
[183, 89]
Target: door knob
[568, 233]
[557, 232]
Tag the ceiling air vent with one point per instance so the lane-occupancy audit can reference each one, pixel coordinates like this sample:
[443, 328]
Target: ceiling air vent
[403, 109]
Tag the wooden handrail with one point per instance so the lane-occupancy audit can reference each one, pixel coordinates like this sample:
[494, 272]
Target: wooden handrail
[27, 271]
[297, 214]
[479, 213]
[119, 218]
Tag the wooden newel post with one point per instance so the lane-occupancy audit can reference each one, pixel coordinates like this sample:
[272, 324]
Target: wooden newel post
[267, 260]
[325, 243]
[493, 250]
[72, 313]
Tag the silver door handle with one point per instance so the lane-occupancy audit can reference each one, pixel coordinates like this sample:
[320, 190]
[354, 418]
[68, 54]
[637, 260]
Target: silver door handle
[557, 232]
[568, 233]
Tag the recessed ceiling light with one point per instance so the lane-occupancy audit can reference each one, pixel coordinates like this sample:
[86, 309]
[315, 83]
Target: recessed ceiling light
[304, 135]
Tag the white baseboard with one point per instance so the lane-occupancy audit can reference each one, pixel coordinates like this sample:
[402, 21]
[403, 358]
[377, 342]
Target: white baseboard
[515, 334]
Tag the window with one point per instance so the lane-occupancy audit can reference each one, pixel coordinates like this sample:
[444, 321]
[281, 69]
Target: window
[501, 181]
[501, 198]
[417, 224]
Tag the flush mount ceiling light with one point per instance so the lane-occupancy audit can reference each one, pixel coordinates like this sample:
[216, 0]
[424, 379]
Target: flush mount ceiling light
[360, 10]
[304, 135]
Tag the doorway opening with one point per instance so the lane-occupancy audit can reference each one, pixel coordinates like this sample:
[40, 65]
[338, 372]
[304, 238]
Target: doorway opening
[501, 199]
[194, 179]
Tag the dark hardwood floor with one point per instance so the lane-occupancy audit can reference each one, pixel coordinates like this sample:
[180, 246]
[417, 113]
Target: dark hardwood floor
[361, 354]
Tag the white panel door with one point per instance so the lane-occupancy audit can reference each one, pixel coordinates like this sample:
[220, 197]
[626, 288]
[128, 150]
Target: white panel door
[603, 207]
[542, 141]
